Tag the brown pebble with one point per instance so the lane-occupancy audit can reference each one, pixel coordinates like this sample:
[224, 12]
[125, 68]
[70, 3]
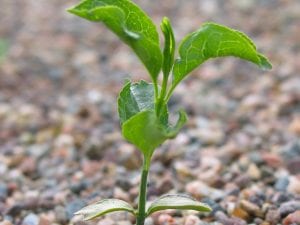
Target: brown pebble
[265, 223]
[293, 218]
[5, 222]
[251, 208]
[295, 126]
[272, 160]
[240, 213]
[44, 221]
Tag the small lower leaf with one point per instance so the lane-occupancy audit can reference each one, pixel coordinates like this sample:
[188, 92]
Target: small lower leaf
[103, 207]
[182, 202]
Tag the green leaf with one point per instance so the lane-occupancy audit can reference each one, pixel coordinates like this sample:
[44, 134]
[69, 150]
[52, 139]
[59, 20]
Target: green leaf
[169, 49]
[135, 98]
[214, 40]
[131, 24]
[182, 202]
[103, 207]
[147, 132]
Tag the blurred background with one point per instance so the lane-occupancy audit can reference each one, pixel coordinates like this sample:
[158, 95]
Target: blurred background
[60, 141]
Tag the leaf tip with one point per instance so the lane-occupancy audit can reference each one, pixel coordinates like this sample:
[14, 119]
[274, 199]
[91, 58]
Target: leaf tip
[264, 63]
[72, 10]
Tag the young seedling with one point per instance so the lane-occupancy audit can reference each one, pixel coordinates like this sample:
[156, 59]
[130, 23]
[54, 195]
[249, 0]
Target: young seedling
[142, 106]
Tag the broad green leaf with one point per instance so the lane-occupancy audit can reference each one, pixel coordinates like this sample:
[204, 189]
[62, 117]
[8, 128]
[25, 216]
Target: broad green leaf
[131, 24]
[103, 207]
[147, 132]
[135, 98]
[214, 40]
[181, 202]
[169, 49]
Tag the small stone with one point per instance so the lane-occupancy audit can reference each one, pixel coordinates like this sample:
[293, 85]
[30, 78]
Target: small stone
[6, 222]
[254, 172]
[289, 207]
[73, 207]
[242, 180]
[29, 166]
[265, 223]
[61, 214]
[272, 160]
[293, 166]
[165, 184]
[31, 219]
[282, 184]
[78, 187]
[44, 221]
[295, 126]
[165, 219]
[3, 191]
[199, 189]
[106, 221]
[129, 157]
[273, 216]
[294, 185]
[251, 208]
[120, 194]
[222, 218]
[240, 213]
[192, 220]
[293, 218]
[149, 221]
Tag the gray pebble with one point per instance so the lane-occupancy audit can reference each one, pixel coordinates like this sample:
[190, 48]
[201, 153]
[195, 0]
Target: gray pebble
[61, 214]
[31, 219]
[282, 184]
[289, 207]
[73, 207]
[3, 191]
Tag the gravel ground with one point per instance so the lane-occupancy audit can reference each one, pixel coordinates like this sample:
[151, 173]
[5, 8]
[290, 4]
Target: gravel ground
[60, 141]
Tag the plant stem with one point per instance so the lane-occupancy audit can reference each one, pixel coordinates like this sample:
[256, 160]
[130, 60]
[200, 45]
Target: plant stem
[143, 193]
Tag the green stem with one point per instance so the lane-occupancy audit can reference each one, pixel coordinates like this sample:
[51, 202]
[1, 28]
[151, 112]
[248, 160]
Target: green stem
[169, 94]
[141, 216]
[156, 91]
[160, 101]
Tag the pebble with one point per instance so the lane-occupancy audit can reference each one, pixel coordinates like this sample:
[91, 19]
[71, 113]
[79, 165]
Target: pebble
[289, 207]
[281, 184]
[165, 219]
[61, 214]
[44, 220]
[6, 222]
[293, 218]
[294, 185]
[106, 221]
[149, 221]
[251, 208]
[129, 157]
[222, 218]
[31, 219]
[3, 191]
[254, 172]
[240, 213]
[273, 216]
[199, 189]
[293, 166]
[192, 220]
[74, 206]
[294, 127]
